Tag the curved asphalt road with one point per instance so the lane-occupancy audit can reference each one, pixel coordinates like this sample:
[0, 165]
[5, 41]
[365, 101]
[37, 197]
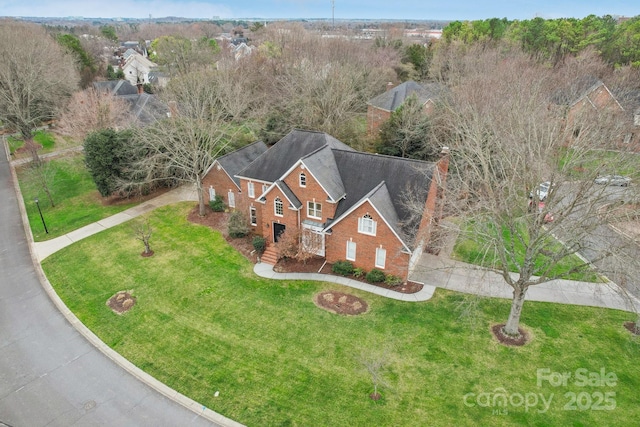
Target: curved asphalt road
[49, 373]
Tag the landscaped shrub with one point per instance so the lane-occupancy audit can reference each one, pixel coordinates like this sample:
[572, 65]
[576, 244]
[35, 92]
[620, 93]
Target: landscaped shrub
[359, 273]
[259, 244]
[238, 226]
[392, 280]
[344, 268]
[375, 276]
[217, 205]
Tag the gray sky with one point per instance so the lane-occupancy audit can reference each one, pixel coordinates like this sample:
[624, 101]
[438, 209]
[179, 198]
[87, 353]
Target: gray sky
[348, 9]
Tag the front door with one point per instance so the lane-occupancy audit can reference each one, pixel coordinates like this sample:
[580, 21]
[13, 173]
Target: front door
[278, 229]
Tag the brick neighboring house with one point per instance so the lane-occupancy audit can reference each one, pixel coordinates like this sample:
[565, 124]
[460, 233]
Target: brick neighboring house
[347, 204]
[379, 109]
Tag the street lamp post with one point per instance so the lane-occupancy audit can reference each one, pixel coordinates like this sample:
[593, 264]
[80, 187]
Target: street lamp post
[41, 217]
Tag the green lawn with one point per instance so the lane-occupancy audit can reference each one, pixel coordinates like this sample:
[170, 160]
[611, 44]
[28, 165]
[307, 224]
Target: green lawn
[77, 202]
[472, 248]
[49, 141]
[204, 322]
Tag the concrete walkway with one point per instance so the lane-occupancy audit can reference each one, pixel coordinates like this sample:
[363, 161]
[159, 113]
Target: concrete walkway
[180, 194]
[441, 272]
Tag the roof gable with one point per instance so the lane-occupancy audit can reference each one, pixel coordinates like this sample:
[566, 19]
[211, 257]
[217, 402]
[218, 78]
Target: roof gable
[322, 165]
[363, 172]
[277, 160]
[380, 200]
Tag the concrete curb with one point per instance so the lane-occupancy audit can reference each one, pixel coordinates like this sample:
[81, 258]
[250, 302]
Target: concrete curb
[129, 367]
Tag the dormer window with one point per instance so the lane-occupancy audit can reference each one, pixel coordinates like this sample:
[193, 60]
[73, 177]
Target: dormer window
[278, 207]
[303, 180]
[366, 225]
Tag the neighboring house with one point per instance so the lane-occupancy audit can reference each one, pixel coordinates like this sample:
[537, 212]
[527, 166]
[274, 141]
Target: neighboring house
[596, 97]
[379, 109]
[136, 68]
[348, 205]
[146, 108]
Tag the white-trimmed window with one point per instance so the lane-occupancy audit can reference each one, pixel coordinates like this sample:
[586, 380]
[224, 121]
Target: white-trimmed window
[314, 210]
[253, 215]
[251, 190]
[366, 225]
[278, 207]
[303, 180]
[232, 199]
[351, 250]
[212, 193]
[381, 257]
[264, 187]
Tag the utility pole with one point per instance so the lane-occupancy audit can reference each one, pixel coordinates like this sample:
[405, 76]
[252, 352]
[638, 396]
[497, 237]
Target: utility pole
[333, 13]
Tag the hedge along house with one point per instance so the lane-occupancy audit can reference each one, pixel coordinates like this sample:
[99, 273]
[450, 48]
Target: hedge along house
[348, 205]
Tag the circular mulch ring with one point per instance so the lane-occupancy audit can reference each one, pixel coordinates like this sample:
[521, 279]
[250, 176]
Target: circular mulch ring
[340, 303]
[121, 302]
[631, 327]
[146, 254]
[508, 340]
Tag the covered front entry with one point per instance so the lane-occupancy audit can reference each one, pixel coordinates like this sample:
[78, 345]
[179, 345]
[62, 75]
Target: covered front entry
[278, 229]
[313, 238]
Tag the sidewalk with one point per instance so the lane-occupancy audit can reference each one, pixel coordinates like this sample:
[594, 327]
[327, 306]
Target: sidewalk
[180, 194]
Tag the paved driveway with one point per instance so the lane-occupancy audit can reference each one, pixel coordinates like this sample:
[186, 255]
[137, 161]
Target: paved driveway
[49, 373]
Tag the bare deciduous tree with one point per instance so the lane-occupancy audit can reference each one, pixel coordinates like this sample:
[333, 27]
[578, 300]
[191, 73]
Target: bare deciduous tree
[183, 146]
[36, 78]
[143, 231]
[509, 137]
[89, 111]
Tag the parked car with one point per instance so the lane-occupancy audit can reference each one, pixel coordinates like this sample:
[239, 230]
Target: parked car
[542, 191]
[620, 180]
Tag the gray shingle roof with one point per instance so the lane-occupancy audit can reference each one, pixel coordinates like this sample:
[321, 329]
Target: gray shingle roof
[285, 153]
[393, 98]
[237, 160]
[295, 202]
[322, 165]
[363, 172]
[116, 87]
[380, 198]
[146, 108]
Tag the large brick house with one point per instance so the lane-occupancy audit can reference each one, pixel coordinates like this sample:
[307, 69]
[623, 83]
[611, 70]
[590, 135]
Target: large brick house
[348, 205]
[379, 109]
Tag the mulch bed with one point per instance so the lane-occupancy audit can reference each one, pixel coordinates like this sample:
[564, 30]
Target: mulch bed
[121, 302]
[340, 303]
[218, 221]
[631, 327]
[508, 340]
[314, 265]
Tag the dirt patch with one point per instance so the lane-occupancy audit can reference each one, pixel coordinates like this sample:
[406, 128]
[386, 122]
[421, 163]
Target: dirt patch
[508, 340]
[631, 327]
[146, 254]
[121, 302]
[340, 303]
